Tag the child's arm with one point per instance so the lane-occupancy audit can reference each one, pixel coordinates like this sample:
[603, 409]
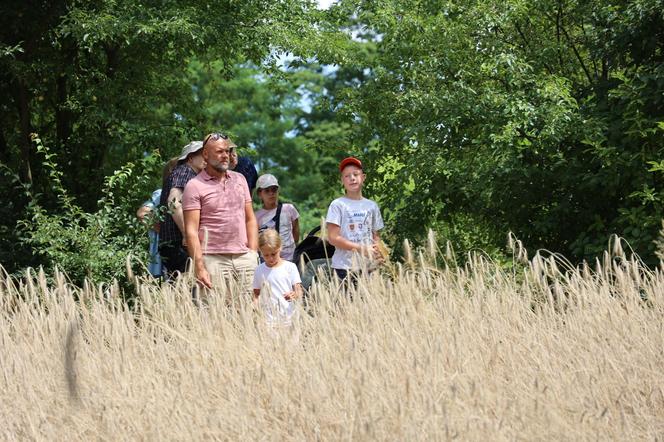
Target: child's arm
[142, 211]
[298, 290]
[335, 238]
[296, 230]
[382, 254]
[295, 294]
[338, 241]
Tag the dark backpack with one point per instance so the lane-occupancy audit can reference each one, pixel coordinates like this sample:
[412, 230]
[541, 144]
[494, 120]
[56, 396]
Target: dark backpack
[312, 256]
[312, 247]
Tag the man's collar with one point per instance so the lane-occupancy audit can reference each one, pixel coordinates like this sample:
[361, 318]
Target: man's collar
[207, 177]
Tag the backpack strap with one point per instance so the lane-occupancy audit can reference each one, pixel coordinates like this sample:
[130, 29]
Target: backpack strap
[277, 216]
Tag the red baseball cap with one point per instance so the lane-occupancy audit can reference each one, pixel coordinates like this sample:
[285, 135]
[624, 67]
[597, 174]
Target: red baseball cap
[350, 161]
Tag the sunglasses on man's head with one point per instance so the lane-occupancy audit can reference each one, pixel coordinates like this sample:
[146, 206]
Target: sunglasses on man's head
[214, 136]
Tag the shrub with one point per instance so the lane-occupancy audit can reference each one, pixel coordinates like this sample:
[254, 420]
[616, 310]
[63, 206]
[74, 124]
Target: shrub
[93, 246]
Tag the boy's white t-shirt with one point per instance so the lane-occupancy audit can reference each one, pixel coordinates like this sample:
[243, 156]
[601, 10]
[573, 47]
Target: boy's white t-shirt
[357, 219]
[277, 281]
[265, 220]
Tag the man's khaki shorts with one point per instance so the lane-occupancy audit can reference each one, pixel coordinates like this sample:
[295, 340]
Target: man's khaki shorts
[232, 275]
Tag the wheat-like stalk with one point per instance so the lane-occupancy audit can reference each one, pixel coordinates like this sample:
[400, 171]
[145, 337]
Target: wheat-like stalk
[424, 352]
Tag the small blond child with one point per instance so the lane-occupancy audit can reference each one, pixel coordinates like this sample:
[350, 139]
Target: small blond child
[278, 280]
[282, 217]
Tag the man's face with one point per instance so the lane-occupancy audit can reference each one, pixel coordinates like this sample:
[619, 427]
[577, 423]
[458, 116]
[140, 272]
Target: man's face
[217, 154]
[352, 178]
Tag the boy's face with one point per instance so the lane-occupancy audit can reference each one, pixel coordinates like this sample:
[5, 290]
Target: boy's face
[352, 177]
[269, 194]
[270, 255]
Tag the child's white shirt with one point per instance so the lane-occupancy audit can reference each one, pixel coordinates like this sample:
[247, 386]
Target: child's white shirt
[265, 220]
[357, 220]
[274, 283]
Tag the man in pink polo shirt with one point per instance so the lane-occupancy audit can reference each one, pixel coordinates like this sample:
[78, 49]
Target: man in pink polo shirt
[220, 226]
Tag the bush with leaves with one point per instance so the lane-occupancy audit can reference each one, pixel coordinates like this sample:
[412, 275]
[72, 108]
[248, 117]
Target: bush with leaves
[542, 118]
[93, 246]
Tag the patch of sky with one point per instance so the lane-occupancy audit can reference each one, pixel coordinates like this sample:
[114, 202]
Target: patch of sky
[325, 4]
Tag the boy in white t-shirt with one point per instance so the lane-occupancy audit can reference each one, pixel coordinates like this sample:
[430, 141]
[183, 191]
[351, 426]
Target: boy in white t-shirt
[267, 188]
[278, 280]
[353, 224]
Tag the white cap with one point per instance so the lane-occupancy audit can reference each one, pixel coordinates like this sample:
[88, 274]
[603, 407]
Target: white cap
[267, 180]
[192, 147]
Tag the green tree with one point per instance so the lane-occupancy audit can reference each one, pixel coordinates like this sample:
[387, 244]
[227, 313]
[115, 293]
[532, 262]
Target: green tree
[101, 246]
[88, 76]
[104, 82]
[537, 117]
[271, 117]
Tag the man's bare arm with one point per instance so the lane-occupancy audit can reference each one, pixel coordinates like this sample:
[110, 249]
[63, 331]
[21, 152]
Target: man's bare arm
[192, 219]
[252, 227]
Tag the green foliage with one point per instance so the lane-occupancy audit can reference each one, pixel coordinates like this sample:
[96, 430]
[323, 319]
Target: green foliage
[265, 116]
[103, 83]
[543, 118]
[659, 244]
[93, 246]
[540, 118]
[14, 256]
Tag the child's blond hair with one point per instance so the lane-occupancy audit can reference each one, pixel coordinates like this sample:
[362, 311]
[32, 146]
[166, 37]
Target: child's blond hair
[269, 238]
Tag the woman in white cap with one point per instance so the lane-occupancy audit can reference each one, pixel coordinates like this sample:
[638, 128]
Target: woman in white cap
[282, 217]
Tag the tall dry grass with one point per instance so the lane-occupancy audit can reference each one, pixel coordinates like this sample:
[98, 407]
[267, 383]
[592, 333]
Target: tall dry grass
[428, 352]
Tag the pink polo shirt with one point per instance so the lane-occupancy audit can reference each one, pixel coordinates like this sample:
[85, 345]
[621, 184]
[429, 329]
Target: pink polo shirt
[221, 202]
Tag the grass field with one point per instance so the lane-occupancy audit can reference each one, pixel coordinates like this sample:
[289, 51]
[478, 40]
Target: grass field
[426, 352]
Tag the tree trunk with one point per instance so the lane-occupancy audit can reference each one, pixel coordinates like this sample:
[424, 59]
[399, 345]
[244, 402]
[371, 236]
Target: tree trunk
[63, 117]
[21, 98]
[4, 148]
